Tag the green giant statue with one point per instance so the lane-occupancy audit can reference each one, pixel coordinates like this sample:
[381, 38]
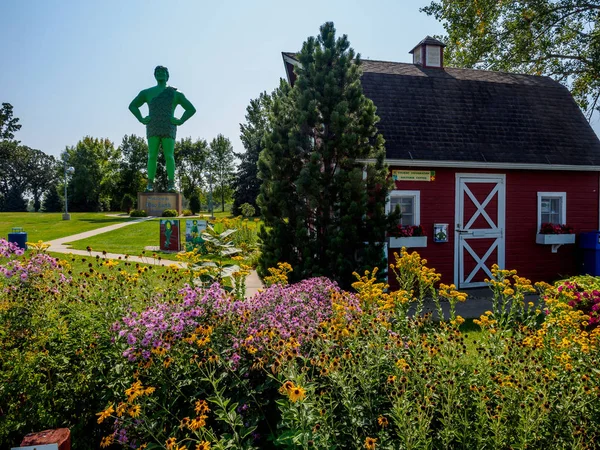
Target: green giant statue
[161, 125]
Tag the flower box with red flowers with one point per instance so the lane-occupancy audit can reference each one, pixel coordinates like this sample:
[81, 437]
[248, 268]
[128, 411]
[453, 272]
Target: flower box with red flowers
[555, 234]
[407, 236]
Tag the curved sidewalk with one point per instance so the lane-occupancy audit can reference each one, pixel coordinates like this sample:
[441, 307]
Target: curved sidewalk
[60, 245]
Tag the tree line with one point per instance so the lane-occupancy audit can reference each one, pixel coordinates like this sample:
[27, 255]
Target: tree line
[107, 177]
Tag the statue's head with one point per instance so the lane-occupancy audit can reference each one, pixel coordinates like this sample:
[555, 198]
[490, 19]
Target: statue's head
[161, 73]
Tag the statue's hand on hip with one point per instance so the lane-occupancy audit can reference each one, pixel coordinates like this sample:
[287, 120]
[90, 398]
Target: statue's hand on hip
[175, 121]
[145, 120]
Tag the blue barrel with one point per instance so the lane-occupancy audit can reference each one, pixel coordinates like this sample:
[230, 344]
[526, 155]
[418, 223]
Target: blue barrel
[19, 237]
[590, 243]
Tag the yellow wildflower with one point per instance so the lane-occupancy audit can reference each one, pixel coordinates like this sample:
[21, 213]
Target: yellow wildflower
[198, 422]
[121, 409]
[201, 407]
[107, 441]
[135, 410]
[105, 414]
[370, 443]
[296, 393]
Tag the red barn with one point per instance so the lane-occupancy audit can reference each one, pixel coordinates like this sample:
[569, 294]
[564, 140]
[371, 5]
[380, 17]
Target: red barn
[480, 160]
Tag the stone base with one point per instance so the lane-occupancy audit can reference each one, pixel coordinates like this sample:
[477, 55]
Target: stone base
[66, 216]
[154, 203]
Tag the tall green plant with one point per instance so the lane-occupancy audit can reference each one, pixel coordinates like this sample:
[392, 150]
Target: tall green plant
[324, 216]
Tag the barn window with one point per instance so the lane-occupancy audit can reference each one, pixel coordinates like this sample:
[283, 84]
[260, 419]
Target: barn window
[552, 208]
[409, 203]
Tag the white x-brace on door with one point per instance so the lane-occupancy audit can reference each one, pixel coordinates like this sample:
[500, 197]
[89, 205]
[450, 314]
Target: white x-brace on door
[479, 227]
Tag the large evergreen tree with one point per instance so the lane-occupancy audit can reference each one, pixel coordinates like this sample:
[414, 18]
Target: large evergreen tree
[323, 216]
[246, 184]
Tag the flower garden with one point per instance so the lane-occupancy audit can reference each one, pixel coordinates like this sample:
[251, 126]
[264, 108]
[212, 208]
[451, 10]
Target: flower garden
[135, 356]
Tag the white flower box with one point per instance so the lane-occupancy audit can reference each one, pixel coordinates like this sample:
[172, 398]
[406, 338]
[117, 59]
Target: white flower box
[408, 242]
[554, 239]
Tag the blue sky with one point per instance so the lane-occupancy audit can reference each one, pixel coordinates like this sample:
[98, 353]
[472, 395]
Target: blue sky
[70, 68]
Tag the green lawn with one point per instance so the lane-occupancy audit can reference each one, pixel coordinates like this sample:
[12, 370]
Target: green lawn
[129, 240]
[78, 264]
[49, 226]
[132, 240]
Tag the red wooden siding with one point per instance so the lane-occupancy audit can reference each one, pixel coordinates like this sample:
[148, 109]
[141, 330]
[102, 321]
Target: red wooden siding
[531, 260]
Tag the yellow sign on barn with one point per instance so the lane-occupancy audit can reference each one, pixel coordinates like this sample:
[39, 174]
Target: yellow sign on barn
[413, 175]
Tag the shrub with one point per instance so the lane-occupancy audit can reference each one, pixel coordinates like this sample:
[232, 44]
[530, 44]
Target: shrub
[114, 350]
[195, 205]
[127, 203]
[187, 212]
[138, 213]
[247, 210]
[169, 213]
[57, 362]
[52, 201]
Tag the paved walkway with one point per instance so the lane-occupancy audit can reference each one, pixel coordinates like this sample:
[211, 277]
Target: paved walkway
[253, 282]
[477, 303]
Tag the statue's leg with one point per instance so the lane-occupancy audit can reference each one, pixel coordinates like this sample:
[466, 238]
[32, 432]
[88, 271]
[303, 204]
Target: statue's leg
[168, 146]
[153, 145]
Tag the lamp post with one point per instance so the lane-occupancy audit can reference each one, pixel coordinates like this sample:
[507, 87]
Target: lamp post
[69, 170]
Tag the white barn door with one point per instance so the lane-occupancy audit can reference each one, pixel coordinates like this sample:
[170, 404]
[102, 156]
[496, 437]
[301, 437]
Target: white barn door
[479, 227]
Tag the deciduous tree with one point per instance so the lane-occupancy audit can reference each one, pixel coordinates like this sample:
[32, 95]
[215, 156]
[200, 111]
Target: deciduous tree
[559, 38]
[8, 123]
[42, 169]
[221, 166]
[95, 162]
[192, 159]
[132, 167]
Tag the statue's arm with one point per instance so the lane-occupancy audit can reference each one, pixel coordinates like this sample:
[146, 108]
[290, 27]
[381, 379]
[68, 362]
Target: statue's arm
[135, 105]
[189, 109]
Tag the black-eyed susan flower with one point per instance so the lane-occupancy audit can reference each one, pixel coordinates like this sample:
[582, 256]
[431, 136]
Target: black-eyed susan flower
[296, 393]
[204, 445]
[107, 441]
[370, 443]
[135, 411]
[105, 414]
[201, 407]
[197, 422]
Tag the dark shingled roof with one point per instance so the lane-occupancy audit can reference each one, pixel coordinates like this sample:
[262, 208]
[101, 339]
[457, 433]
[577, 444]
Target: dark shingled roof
[428, 40]
[475, 115]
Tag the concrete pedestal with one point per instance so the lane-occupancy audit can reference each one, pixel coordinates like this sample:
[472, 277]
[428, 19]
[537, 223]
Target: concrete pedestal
[67, 216]
[154, 203]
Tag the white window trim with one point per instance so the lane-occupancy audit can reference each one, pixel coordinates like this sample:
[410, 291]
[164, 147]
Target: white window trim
[563, 205]
[417, 202]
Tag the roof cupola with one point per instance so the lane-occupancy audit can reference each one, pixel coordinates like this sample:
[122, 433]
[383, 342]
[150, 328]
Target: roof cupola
[429, 53]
